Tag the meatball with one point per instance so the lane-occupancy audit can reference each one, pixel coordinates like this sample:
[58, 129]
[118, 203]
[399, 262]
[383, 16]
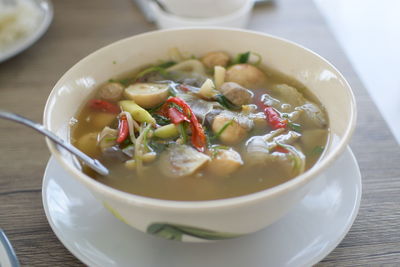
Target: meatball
[111, 91]
[232, 134]
[246, 75]
[212, 59]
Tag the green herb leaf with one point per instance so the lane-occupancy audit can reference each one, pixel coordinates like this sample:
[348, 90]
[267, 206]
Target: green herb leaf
[166, 64]
[161, 120]
[172, 91]
[109, 139]
[223, 128]
[225, 102]
[317, 150]
[242, 58]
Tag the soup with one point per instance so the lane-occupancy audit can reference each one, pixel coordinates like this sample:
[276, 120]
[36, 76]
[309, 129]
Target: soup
[201, 128]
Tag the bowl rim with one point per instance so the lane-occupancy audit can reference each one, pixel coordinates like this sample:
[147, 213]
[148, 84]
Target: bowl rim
[233, 202]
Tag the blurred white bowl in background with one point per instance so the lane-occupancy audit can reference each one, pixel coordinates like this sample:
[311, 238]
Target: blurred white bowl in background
[201, 8]
[237, 19]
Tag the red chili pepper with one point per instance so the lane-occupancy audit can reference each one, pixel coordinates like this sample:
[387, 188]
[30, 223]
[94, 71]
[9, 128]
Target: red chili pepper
[274, 119]
[176, 116]
[105, 106]
[281, 149]
[184, 88]
[198, 136]
[123, 129]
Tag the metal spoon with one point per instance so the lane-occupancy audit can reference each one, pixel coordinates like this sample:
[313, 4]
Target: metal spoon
[92, 163]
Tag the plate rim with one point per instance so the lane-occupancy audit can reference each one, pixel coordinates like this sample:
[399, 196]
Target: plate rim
[316, 259]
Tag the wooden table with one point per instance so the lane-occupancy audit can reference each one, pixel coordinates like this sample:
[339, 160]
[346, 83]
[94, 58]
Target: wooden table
[80, 27]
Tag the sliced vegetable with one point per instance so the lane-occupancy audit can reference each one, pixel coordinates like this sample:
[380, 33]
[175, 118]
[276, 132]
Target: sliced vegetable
[167, 131]
[123, 129]
[274, 119]
[132, 125]
[139, 149]
[107, 138]
[138, 113]
[198, 136]
[191, 65]
[219, 76]
[102, 105]
[147, 95]
[207, 90]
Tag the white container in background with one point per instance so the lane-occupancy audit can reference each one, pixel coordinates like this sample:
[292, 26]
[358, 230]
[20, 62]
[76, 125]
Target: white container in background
[237, 19]
[201, 8]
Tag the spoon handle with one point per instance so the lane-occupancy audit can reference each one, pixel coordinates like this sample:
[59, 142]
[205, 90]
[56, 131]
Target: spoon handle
[92, 163]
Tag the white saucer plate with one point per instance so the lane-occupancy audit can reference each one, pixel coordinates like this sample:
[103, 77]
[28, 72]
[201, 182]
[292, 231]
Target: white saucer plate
[302, 238]
[20, 45]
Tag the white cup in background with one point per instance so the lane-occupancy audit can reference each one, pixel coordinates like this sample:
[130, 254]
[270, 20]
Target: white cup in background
[201, 8]
[237, 19]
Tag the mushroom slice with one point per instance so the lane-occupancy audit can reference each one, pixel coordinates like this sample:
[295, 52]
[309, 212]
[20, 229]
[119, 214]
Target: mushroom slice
[147, 95]
[181, 160]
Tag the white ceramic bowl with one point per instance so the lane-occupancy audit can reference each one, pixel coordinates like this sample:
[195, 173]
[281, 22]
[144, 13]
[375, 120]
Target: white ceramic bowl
[239, 18]
[216, 219]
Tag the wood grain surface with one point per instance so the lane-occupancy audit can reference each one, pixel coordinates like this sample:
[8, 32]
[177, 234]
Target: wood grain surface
[81, 27]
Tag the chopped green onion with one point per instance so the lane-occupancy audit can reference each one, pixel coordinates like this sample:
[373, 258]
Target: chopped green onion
[145, 141]
[299, 159]
[223, 128]
[182, 131]
[295, 126]
[149, 70]
[245, 58]
[166, 64]
[109, 139]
